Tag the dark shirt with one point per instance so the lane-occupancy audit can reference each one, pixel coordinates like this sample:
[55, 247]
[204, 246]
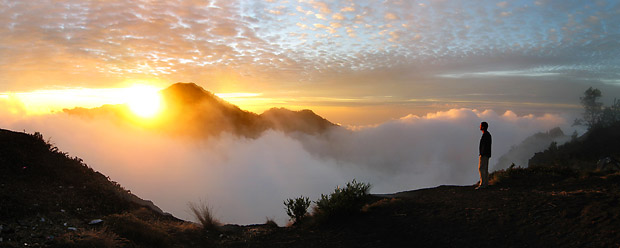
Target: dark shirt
[485, 144]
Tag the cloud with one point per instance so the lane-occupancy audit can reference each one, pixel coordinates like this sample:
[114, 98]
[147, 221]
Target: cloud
[246, 180]
[338, 16]
[347, 9]
[391, 16]
[99, 43]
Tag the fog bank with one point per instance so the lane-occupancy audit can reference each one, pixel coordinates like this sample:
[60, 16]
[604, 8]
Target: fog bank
[246, 180]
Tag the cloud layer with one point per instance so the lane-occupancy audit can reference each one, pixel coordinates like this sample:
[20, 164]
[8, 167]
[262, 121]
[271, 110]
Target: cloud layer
[246, 180]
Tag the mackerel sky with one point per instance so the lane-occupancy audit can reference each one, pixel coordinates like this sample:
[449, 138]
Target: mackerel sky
[530, 56]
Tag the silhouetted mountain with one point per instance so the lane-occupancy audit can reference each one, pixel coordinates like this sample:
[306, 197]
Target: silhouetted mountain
[583, 152]
[304, 121]
[190, 110]
[520, 154]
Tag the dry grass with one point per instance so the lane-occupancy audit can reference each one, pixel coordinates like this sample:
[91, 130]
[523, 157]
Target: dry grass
[139, 231]
[270, 222]
[90, 238]
[202, 212]
[380, 204]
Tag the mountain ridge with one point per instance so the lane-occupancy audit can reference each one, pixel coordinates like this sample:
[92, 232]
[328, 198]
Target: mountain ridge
[190, 110]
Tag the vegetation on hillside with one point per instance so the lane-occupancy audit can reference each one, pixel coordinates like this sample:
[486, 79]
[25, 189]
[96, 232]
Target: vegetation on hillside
[600, 142]
[596, 115]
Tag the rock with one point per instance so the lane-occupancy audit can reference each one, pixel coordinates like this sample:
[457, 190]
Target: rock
[95, 221]
[608, 164]
[7, 230]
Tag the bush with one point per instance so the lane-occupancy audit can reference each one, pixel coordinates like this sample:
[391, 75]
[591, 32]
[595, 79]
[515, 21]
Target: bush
[297, 208]
[203, 214]
[343, 202]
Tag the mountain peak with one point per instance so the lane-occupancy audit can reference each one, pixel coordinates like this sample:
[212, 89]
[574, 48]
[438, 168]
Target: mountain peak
[187, 93]
[190, 110]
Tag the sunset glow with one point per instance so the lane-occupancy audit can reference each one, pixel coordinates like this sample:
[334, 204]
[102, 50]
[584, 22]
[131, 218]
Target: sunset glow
[250, 102]
[416, 56]
[144, 101]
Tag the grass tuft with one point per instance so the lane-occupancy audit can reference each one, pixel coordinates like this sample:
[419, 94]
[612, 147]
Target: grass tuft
[270, 222]
[202, 212]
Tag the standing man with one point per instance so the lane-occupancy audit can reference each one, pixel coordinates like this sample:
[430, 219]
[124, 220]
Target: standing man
[485, 154]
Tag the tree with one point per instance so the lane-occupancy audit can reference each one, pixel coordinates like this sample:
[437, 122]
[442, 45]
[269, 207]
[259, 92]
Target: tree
[611, 114]
[595, 114]
[592, 108]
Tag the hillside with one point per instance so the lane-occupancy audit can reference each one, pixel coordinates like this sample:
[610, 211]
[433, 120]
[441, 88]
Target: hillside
[49, 198]
[521, 153]
[582, 153]
[190, 110]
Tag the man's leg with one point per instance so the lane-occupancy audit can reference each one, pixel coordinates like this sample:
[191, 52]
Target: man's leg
[483, 168]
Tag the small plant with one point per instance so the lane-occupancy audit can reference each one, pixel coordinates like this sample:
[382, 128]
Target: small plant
[297, 208]
[203, 214]
[343, 202]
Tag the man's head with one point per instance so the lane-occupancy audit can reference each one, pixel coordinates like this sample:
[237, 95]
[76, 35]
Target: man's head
[484, 126]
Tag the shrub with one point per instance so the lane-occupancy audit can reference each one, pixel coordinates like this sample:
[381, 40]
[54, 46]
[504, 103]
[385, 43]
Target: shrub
[203, 214]
[297, 208]
[343, 202]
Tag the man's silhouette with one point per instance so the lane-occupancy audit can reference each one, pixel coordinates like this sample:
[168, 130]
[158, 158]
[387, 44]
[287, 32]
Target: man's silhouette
[485, 154]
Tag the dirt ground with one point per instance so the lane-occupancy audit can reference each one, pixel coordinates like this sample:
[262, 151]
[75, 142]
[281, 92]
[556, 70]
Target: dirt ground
[572, 212]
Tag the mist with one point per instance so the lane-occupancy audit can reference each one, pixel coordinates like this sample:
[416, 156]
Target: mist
[246, 180]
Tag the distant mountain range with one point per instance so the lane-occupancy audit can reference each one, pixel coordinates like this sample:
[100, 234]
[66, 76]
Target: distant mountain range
[190, 110]
[521, 153]
[597, 149]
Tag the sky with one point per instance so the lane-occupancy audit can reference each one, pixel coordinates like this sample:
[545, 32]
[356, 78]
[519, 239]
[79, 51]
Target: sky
[354, 62]
[409, 81]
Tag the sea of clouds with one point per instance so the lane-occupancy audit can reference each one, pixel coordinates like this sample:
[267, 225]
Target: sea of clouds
[245, 180]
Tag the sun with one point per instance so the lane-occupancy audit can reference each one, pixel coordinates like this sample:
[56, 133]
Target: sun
[143, 100]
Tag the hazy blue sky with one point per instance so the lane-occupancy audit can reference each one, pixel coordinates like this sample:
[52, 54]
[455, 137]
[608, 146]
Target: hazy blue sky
[379, 57]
